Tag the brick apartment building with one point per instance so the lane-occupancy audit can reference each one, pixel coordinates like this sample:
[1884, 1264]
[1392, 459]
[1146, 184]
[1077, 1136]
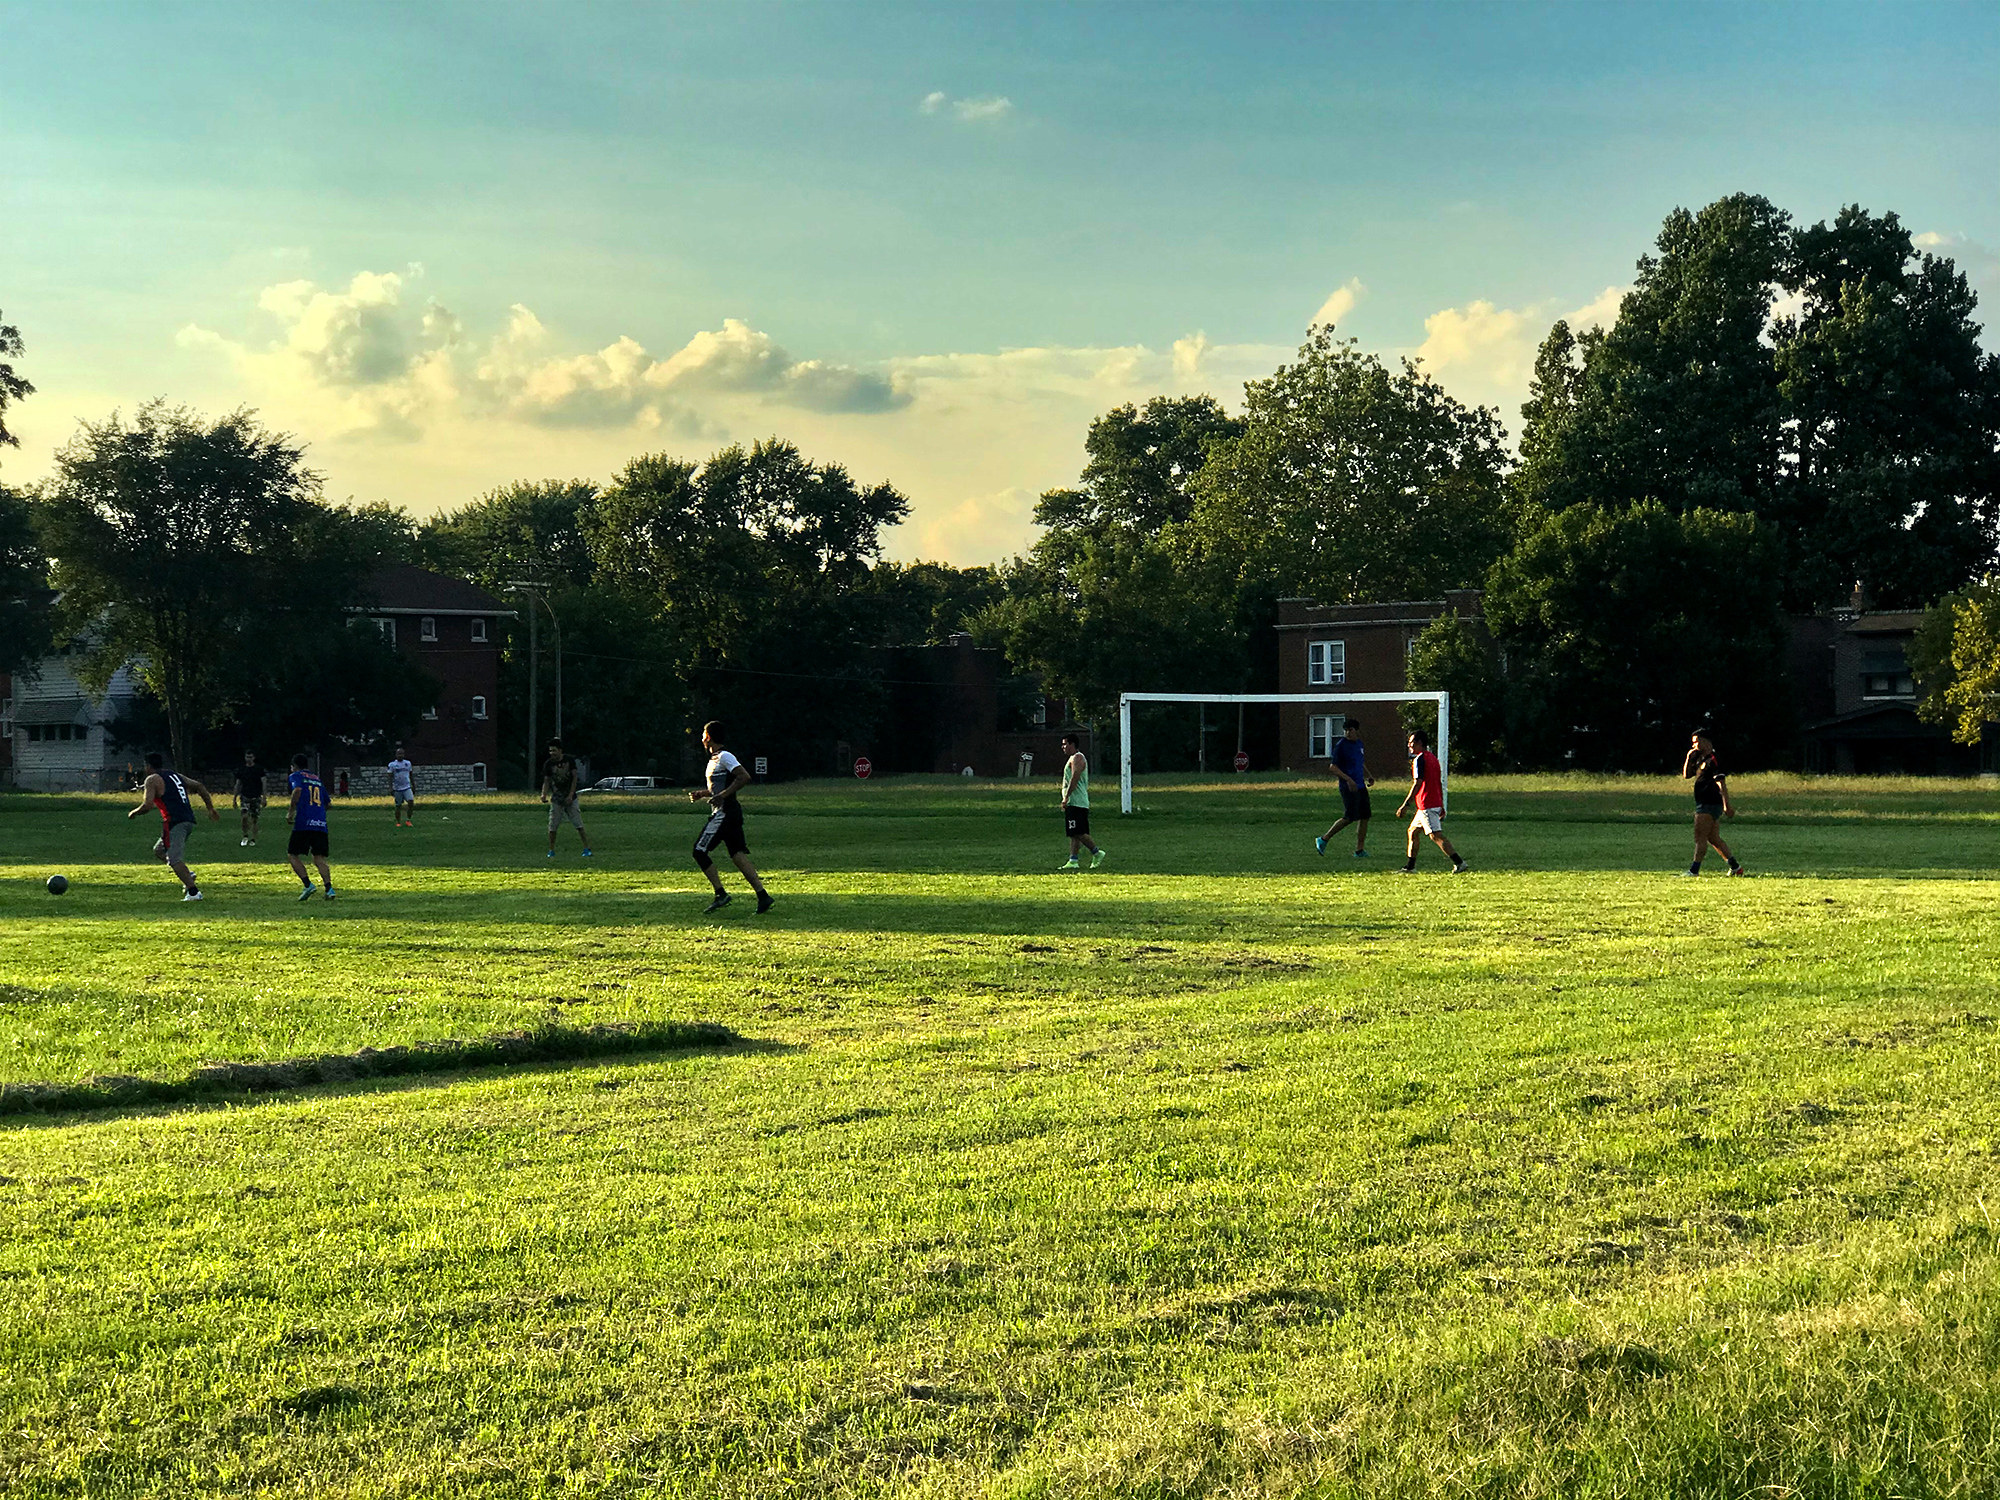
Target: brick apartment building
[450, 628]
[1356, 648]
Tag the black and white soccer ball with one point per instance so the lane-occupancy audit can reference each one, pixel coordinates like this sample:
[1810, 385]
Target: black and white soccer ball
[58, 884]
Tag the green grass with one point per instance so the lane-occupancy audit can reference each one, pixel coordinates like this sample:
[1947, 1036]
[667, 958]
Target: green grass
[1225, 1170]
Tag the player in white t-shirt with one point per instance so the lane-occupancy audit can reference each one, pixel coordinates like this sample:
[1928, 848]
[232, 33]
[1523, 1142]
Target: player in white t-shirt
[725, 777]
[402, 791]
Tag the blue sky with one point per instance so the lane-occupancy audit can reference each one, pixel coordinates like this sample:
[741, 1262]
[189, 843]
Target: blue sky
[455, 245]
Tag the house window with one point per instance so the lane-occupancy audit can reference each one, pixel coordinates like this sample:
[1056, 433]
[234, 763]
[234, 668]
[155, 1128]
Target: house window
[431, 712]
[388, 628]
[427, 628]
[1326, 663]
[478, 709]
[1041, 714]
[479, 630]
[1321, 734]
[1885, 674]
[479, 773]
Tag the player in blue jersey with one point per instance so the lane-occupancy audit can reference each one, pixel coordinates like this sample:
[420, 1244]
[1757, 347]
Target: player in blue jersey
[308, 809]
[1350, 765]
[168, 791]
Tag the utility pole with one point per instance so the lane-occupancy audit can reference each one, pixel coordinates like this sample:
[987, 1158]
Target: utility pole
[531, 587]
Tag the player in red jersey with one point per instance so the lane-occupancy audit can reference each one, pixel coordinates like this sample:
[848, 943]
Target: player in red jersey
[169, 791]
[1427, 789]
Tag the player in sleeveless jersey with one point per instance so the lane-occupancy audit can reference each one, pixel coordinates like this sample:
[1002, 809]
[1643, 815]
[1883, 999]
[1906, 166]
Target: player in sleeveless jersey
[1076, 805]
[308, 812]
[169, 791]
[724, 778]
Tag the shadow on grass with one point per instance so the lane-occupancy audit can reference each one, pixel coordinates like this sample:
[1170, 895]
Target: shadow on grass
[236, 1082]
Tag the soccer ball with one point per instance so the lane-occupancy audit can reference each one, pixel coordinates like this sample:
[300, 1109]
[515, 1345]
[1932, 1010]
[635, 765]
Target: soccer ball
[58, 884]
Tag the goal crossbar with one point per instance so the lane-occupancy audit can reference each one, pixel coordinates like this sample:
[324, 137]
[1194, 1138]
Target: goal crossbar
[1126, 700]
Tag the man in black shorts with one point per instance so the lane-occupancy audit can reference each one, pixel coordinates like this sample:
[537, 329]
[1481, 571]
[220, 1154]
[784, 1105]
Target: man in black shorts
[1350, 764]
[1711, 801]
[250, 796]
[308, 811]
[726, 777]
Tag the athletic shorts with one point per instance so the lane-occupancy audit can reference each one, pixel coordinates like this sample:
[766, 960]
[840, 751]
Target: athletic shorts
[559, 810]
[1354, 805]
[405, 794]
[1428, 820]
[253, 805]
[307, 841]
[1076, 822]
[724, 827]
[1708, 809]
[172, 845]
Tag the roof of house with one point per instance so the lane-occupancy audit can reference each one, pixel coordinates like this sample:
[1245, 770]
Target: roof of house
[402, 588]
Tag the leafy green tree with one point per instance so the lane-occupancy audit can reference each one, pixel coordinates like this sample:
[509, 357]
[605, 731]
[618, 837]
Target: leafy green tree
[1955, 659]
[530, 529]
[926, 603]
[1110, 599]
[756, 565]
[1350, 483]
[1677, 402]
[1626, 628]
[12, 386]
[25, 636]
[175, 540]
[1891, 452]
[315, 677]
[1456, 656]
[1864, 428]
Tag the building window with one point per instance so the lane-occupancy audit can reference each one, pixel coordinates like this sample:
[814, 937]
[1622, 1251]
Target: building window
[1886, 674]
[1322, 735]
[479, 630]
[479, 773]
[1326, 663]
[478, 706]
[1041, 714]
[388, 628]
[427, 628]
[431, 712]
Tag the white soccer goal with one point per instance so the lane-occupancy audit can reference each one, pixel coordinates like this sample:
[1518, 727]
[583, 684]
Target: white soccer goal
[1126, 700]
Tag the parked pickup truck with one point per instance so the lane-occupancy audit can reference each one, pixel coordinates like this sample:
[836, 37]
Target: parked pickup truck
[626, 784]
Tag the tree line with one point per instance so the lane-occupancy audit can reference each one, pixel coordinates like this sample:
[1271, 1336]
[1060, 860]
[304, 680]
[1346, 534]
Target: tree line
[1779, 415]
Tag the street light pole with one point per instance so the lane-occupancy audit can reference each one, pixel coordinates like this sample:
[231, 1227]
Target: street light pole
[528, 587]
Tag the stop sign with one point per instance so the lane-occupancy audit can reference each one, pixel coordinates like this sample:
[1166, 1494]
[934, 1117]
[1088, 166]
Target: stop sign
[1242, 760]
[862, 766]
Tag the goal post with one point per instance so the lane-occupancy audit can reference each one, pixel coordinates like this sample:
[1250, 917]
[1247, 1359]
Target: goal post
[1126, 700]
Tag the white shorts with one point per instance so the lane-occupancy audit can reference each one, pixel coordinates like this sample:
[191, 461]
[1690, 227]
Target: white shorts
[1428, 820]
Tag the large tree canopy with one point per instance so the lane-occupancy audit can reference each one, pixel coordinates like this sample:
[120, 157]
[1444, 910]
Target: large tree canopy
[199, 551]
[1863, 425]
[1350, 482]
[12, 386]
[1624, 629]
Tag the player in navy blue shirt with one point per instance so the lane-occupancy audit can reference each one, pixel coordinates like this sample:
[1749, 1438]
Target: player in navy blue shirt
[1350, 765]
[168, 791]
[308, 809]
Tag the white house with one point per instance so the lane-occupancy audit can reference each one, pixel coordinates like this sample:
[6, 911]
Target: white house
[61, 731]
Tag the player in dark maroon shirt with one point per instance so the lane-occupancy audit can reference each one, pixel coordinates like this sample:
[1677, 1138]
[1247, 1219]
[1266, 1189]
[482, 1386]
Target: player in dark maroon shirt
[1711, 800]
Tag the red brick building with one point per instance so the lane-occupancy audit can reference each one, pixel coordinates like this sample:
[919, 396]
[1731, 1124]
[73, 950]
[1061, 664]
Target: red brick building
[451, 629]
[1356, 648]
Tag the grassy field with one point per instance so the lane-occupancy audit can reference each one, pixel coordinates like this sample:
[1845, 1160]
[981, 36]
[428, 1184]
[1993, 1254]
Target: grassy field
[1226, 1170]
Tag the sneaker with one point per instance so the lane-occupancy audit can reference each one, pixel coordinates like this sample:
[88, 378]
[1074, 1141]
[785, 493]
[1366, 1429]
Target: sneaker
[243, 843]
[307, 893]
[1361, 854]
[329, 893]
[1690, 873]
[1071, 865]
[1319, 845]
[552, 854]
[721, 900]
[1459, 868]
[586, 854]
[1406, 870]
[764, 903]
[1738, 870]
[190, 895]
[1097, 859]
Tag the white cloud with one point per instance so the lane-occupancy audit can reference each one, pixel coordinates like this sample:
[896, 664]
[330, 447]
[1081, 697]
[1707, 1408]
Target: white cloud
[1340, 304]
[1485, 355]
[359, 361]
[985, 107]
[1188, 355]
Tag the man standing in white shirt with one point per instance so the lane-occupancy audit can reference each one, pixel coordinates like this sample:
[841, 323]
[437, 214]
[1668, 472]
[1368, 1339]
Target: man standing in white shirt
[402, 791]
[725, 777]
